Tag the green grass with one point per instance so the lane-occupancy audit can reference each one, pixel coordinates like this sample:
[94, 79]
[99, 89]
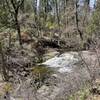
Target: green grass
[80, 95]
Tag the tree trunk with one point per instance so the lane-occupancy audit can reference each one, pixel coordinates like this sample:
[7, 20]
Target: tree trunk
[18, 29]
[16, 7]
[57, 14]
[77, 22]
[3, 67]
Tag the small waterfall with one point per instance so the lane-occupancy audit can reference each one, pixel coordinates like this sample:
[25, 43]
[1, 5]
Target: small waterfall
[63, 62]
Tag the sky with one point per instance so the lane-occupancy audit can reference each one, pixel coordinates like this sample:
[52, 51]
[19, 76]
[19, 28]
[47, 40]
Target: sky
[92, 3]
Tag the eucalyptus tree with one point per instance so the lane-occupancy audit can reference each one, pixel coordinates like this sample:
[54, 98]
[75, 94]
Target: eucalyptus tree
[86, 11]
[57, 13]
[94, 25]
[97, 4]
[16, 4]
[6, 20]
[10, 11]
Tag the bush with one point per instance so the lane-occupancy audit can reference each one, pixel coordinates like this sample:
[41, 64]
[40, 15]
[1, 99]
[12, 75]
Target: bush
[40, 74]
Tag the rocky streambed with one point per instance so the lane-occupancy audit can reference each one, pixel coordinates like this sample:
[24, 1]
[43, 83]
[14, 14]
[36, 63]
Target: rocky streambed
[71, 71]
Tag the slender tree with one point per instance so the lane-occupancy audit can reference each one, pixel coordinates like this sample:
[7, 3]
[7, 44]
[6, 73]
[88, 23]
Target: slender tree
[13, 7]
[16, 6]
[77, 20]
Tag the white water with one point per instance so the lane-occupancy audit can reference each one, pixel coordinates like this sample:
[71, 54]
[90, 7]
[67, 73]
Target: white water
[64, 62]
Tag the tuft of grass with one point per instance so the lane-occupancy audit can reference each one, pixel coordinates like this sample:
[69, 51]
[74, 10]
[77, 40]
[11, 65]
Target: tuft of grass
[80, 95]
[41, 70]
[7, 87]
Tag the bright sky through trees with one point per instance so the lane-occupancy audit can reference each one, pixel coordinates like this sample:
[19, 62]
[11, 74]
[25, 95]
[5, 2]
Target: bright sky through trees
[92, 3]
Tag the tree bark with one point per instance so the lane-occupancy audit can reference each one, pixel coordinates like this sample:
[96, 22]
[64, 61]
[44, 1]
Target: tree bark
[3, 67]
[57, 14]
[18, 29]
[77, 21]
[16, 6]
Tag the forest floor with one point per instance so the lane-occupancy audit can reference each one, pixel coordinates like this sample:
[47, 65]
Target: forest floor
[88, 92]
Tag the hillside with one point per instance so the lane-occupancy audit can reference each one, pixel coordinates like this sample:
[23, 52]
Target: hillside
[49, 50]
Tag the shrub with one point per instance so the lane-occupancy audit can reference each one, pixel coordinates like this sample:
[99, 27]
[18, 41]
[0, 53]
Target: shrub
[40, 74]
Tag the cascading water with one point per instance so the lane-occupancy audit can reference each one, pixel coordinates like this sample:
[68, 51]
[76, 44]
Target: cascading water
[63, 62]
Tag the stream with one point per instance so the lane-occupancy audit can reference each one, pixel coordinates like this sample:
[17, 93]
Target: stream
[64, 62]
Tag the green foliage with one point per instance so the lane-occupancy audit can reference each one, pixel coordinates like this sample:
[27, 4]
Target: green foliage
[6, 18]
[50, 25]
[80, 95]
[3, 17]
[40, 74]
[94, 25]
[28, 7]
[7, 87]
[41, 71]
[4, 88]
